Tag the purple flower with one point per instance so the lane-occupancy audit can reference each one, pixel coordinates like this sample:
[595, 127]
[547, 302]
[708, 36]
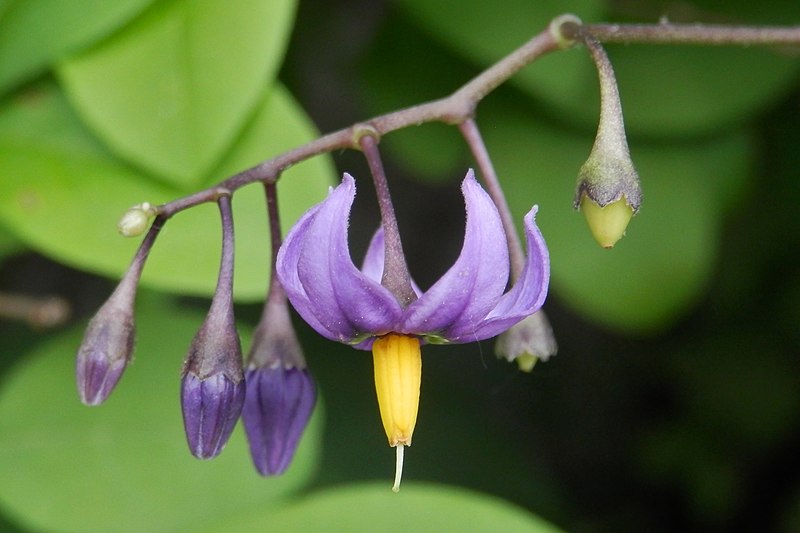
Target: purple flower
[466, 304]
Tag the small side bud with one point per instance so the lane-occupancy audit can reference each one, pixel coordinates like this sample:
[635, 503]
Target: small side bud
[527, 342]
[135, 220]
[106, 349]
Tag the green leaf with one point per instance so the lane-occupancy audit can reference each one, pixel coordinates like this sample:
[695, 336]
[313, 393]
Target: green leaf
[63, 194]
[171, 92]
[35, 33]
[391, 72]
[674, 90]
[663, 265]
[372, 507]
[124, 466]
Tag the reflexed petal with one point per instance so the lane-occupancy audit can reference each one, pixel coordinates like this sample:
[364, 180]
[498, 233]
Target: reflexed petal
[456, 304]
[528, 293]
[321, 281]
[375, 257]
[372, 267]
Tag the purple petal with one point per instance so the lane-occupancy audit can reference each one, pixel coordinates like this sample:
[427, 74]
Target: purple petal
[277, 408]
[375, 257]
[210, 409]
[372, 267]
[321, 281]
[528, 293]
[456, 304]
[104, 353]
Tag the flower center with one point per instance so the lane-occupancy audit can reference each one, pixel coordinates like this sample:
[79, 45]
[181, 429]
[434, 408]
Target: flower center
[398, 370]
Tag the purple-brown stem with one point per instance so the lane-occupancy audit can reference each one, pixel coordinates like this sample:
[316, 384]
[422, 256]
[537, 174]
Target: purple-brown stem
[395, 270]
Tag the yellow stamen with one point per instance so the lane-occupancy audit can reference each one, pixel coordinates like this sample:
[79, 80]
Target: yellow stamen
[398, 370]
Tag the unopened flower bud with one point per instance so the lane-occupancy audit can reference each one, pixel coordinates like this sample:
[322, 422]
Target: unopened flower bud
[212, 388]
[106, 349]
[212, 385]
[280, 390]
[608, 192]
[136, 219]
[527, 342]
[107, 346]
[277, 408]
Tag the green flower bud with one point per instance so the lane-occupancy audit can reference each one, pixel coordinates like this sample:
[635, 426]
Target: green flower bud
[608, 192]
[527, 342]
[135, 220]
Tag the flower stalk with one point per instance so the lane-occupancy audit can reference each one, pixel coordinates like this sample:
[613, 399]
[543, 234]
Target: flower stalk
[107, 346]
[280, 394]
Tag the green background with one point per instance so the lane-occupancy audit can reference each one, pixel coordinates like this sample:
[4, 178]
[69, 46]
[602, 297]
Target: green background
[673, 402]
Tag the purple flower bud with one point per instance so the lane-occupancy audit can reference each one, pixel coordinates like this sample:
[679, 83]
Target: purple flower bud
[212, 386]
[107, 345]
[106, 350]
[277, 408]
[211, 407]
[280, 390]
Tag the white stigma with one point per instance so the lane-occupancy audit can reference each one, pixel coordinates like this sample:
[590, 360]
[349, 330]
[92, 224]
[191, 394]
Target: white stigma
[398, 473]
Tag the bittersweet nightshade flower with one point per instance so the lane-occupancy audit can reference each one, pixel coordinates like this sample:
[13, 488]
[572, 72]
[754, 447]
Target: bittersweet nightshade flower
[212, 384]
[351, 306]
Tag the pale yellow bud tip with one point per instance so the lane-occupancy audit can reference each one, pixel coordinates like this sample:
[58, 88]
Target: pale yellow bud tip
[526, 362]
[608, 223]
[135, 220]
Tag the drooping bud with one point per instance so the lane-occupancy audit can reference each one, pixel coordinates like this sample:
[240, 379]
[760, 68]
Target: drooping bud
[398, 373]
[212, 385]
[280, 390]
[135, 219]
[608, 192]
[527, 342]
[107, 345]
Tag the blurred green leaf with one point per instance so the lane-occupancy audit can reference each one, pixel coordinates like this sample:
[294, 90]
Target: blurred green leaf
[664, 263]
[35, 33]
[8, 244]
[391, 71]
[124, 466]
[172, 91]
[63, 195]
[374, 507]
[665, 90]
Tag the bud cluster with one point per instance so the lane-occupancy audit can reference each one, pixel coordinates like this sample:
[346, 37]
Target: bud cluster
[275, 396]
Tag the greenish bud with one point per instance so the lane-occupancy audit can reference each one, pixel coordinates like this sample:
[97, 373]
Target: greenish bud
[136, 219]
[527, 341]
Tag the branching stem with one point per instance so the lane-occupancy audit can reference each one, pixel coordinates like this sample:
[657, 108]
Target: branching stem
[460, 105]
